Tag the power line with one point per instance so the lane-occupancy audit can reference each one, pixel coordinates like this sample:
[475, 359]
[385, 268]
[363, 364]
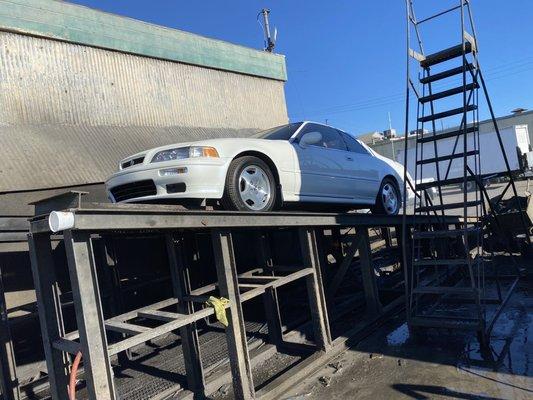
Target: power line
[493, 74]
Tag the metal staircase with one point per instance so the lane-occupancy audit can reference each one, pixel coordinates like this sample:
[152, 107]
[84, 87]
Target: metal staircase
[447, 265]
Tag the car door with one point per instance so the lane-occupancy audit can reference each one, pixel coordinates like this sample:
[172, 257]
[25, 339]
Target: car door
[322, 168]
[365, 169]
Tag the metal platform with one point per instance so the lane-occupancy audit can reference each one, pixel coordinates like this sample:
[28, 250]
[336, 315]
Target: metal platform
[183, 311]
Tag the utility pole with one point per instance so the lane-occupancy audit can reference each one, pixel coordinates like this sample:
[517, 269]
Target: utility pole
[269, 42]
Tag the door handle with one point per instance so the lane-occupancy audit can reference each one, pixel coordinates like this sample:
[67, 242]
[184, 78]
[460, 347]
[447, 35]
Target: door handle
[349, 158]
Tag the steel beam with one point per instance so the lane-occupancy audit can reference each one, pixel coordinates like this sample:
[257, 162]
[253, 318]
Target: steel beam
[270, 297]
[243, 385]
[119, 217]
[50, 316]
[343, 268]
[8, 373]
[89, 317]
[181, 286]
[315, 288]
[373, 305]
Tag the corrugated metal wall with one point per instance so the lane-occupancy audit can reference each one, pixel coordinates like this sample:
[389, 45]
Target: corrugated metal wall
[70, 112]
[45, 156]
[50, 82]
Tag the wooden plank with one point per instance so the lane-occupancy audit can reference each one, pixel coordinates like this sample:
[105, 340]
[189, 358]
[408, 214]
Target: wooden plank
[243, 385]
[89, 315]
[124, 327]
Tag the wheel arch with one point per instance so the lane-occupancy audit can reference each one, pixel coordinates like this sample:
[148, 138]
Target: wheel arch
[262, 156]
[391, 176]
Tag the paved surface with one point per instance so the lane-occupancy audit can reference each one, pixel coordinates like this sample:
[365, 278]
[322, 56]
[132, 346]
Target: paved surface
[393, 364]
[454, 194]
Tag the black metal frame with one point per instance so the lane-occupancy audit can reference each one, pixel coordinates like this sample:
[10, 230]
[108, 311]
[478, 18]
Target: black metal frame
[90, 338]
[469, 104]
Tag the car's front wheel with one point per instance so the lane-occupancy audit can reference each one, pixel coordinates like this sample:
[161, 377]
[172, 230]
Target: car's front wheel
[389, 199]
[250, 185]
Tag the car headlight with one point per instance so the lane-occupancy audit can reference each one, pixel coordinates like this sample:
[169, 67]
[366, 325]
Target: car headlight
[181, 153]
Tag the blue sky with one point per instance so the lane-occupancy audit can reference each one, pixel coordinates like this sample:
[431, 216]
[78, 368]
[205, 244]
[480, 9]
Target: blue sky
[346, 58]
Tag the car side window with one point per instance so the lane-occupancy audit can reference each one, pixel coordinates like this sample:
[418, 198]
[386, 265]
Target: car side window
[331, 139]
[353, 145]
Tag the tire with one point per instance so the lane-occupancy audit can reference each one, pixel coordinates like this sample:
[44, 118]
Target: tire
[250, 186]
[384, 205]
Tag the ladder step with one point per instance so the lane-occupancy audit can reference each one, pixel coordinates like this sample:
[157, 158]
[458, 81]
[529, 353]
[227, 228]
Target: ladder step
[449, 92]
[448, 157]
[445, 323]
[445, 290]
[449, 206]
[446, 74]
[443, 262]
[446, 135]
[446, 54]
[444, 182]
[444, 234]
[448, 113]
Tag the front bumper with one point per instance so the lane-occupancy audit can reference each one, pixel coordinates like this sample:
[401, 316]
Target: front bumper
[202, 179]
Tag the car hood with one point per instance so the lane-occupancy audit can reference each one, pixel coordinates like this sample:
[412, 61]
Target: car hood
[221, 142]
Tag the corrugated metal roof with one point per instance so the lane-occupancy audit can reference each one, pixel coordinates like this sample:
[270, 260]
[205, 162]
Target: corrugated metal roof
[47, 156]
[78, 24]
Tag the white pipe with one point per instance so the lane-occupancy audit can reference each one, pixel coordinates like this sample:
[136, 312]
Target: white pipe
[60, 220]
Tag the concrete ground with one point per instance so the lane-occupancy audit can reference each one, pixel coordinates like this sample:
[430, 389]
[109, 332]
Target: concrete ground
[454, 194]
[439, 364]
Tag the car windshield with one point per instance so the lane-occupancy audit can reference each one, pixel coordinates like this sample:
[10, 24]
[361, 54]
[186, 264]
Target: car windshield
[283, 132]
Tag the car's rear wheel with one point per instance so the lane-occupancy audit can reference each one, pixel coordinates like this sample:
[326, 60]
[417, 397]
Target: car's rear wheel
[389, 199]
[250, 185]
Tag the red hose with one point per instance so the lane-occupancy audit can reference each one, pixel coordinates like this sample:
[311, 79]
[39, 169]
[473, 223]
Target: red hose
[72, 379]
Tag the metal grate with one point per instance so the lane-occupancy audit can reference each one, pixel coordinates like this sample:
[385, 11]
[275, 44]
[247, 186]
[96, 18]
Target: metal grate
[134, 190]
[132, 162]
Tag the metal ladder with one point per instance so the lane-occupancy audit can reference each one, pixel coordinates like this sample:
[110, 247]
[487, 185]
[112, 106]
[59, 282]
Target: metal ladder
[447, 264]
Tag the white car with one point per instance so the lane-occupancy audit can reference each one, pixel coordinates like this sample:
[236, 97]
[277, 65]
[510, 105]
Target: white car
[304, 162]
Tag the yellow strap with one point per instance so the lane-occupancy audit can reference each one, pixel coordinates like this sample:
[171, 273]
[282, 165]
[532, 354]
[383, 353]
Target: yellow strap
[219, 304]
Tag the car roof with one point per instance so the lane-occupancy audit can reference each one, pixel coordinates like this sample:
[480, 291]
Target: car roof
[320, 123]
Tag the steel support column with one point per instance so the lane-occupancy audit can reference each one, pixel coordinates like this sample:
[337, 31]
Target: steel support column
[8, 373]
[270, 297]
[243, 385]
[181, 286]
[89, 316]
[315, 288]
[50, 316]
[373, 304]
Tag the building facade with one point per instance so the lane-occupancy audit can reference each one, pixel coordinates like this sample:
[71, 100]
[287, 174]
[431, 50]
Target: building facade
[80, 89]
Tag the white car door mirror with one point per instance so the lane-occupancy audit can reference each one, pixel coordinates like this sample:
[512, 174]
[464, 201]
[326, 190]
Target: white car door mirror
[310, 138]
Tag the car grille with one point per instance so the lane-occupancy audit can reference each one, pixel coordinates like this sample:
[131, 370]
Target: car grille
[132, 162]
[134, 190]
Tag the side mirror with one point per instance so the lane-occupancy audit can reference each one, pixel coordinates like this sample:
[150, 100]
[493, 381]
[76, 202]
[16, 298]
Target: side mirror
[310, 138]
